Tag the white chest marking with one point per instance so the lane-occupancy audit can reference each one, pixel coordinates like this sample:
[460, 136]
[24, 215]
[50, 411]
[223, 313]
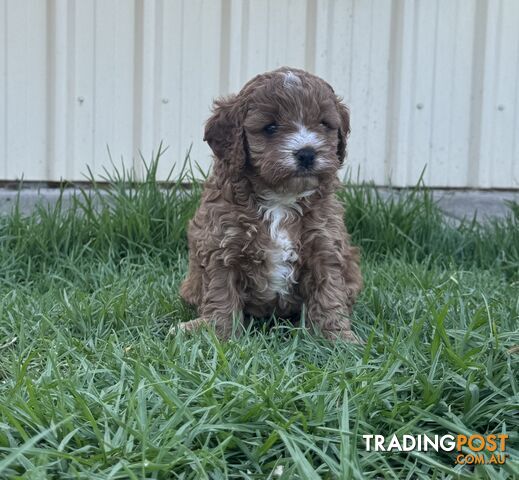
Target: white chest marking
[278, 210]
[283, 255]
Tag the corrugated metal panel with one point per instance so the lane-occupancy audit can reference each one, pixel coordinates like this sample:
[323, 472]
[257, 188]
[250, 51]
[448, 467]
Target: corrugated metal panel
[431, 84]
[24, 138]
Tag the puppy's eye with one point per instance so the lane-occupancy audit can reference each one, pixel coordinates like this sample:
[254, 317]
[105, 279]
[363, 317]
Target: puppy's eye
[271, 128]
[325, 124]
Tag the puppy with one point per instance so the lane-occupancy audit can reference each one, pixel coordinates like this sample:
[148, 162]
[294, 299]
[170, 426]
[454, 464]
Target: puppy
[269, 235]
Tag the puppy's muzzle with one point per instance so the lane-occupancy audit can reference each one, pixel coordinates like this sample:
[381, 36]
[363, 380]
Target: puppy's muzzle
[305, 157]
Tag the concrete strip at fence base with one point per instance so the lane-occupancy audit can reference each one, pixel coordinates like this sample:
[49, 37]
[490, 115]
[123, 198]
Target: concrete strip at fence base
[456, 204]
[485, 204]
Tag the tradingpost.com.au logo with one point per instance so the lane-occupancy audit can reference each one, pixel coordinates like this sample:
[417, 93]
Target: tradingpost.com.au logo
[472, 449]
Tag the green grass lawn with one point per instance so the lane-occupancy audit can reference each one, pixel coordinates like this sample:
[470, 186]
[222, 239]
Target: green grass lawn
[91, 385]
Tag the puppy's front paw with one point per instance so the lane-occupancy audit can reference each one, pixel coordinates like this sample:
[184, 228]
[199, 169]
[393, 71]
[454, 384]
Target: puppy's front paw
[343, 334]
[188, 327]
[222, 327]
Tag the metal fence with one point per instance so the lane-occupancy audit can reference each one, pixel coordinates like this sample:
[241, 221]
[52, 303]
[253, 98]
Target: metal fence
[431, 84]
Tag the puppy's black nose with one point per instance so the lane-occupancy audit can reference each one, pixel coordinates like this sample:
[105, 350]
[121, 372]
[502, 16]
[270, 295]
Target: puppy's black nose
[305, 157]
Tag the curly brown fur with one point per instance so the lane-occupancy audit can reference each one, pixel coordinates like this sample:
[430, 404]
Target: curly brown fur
[269, 234]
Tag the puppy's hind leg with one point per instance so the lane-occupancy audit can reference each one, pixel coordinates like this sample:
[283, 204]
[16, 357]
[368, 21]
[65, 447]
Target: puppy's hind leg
[221, 306]
[191, 288]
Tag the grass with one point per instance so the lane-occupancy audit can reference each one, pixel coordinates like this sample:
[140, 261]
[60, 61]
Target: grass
[92, 387]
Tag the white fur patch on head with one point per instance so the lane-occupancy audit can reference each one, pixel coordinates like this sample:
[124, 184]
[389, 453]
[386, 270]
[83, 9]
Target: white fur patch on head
[303, 138]
[291, 80]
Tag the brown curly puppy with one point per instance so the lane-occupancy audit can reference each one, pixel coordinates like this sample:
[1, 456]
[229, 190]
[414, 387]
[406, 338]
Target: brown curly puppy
[269, 235]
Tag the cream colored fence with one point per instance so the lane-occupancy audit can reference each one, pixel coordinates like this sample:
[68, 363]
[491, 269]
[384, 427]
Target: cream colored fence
[429, 83]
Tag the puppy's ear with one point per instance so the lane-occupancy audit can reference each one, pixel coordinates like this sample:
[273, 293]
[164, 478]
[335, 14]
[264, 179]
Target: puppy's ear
[344, 130]
[224, 134]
